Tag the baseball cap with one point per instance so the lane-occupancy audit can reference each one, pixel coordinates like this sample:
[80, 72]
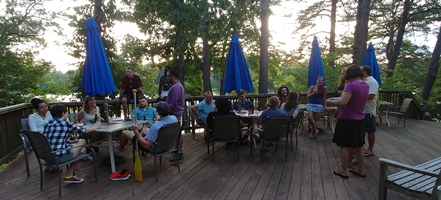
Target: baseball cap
[162, 108]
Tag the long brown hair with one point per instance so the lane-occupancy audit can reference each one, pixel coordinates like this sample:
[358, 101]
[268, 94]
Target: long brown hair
[86, 107]
[342, 82]
[292, 101]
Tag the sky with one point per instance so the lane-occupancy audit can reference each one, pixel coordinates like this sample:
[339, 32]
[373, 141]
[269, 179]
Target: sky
[280, 27]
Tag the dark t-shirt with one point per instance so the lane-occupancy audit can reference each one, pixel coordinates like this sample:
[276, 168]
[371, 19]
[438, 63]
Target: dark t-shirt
[164, 83]
[129, 84]
[216, 114]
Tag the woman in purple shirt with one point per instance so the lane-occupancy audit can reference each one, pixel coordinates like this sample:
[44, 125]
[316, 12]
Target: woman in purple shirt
[349, 135]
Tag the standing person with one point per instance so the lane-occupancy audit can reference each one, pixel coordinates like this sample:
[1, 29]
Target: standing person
[164, 84]
[341, 84]
[203, 108]
[176, 101]
[292, 105]
[58, 132]
[282, 94]
[37, 120]
[316, 102]
[370, 109]
[90, 114]
[349, 134]
[129, 82]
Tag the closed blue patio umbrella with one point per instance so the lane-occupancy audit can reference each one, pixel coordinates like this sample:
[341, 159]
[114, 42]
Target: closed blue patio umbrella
[237, 74]
[315, 67]
[97, 76]
[371, 60]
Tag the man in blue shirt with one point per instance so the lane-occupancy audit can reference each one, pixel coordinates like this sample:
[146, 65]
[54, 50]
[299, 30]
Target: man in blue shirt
[145, 112]
[203, 108]
[147, 142]
[241, 102]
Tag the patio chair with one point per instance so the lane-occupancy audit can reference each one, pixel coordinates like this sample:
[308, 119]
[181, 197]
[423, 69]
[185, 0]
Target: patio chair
[277, 129]
[399, 111]
[193, 122]
[46, 156]
[26, 146]
[225, 129]
[296, 125]
[167, 142]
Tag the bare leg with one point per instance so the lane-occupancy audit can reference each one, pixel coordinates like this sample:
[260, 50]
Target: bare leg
[345, 156]
[360, 160]
[312, 123]
[75, 152]
[371, 140]
[126, 137]
[125, 108]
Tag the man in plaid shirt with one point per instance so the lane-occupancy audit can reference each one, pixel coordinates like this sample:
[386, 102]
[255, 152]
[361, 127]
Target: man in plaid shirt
[58, 132]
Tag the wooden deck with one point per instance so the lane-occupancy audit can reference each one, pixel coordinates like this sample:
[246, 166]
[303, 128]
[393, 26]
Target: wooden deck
[306, 175]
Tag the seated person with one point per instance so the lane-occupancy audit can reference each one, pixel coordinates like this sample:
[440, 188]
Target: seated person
[292, 105]
[223, 108]
[273, 110]
[145, 112]
[129, 82]
[203, 108]
[90, 114]
[241, 102]
[37, 120]
[58, 132]
[147, 142]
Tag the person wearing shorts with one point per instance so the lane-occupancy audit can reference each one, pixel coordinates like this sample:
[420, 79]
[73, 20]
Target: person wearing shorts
[129, 82]
[370, 109]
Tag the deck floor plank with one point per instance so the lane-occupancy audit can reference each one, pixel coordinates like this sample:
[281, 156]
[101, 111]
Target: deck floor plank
[307, 174]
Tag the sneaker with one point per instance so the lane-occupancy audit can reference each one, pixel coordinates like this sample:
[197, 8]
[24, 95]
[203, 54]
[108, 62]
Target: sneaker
[174, 158]
[87, 159]
[73, 179]
[120, 175]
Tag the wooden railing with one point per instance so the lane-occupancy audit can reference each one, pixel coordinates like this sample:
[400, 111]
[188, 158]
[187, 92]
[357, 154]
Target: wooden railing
[10, 126]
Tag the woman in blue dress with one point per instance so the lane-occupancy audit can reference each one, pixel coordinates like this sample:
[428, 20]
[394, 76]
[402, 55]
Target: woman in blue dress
[316, 102]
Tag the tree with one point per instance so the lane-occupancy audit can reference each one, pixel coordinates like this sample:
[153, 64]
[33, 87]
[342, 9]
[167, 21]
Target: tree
[264, 36]
[432, 70]
[361, 31]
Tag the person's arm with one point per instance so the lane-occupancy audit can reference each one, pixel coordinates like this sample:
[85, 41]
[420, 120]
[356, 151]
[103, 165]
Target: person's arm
[80, 117]
[172, 99]
[32, 123]
[345, 97]
[311, 92]
[141, 140]
[97, 126]
[194, 110]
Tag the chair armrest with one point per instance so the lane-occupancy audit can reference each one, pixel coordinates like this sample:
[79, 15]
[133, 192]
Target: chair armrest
[388, 162]
[70, 148]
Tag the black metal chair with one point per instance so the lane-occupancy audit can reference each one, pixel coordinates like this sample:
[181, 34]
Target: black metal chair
[167, 142]
[46, 156]
[296, 125]
[26, 146]
[224, 129]
[277, 129]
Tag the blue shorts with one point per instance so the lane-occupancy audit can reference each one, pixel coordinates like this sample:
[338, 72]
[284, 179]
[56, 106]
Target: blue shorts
[369, 123]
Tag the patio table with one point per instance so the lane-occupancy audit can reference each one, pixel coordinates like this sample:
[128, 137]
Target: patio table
[384, 106]
[245, 114]
[111, 128]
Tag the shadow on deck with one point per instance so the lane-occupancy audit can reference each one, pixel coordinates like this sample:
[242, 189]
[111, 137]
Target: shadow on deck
[306, 175]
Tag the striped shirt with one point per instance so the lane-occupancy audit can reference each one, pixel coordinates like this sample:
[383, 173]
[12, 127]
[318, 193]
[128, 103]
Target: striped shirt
[58, 132]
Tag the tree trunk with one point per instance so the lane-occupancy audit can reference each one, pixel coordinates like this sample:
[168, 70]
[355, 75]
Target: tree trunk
[432, 71]
[332, 32]
[399, 40]
[361, 32]
[206, 60]
[264, 35]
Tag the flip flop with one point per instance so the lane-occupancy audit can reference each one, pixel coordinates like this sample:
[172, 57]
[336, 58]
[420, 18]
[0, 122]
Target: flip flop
[368, 154]
[358, 174]
[338, 173]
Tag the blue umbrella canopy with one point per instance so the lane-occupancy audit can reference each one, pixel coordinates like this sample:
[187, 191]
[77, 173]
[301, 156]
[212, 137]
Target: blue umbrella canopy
[97, 76]
[371, 60]
[237, 74]
[315, 68]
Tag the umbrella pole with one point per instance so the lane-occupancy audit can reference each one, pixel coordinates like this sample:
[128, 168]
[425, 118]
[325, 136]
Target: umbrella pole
[134, 103]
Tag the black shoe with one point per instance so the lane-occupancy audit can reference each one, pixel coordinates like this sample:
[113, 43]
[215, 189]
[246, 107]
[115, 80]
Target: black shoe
[175, 157]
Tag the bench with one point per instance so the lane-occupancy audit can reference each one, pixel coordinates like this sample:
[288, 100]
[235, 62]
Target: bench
[419, 181]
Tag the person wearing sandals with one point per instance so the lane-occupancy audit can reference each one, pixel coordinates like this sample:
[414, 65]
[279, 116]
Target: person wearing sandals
[316, 101]
[349, 133]
[37, 120]
[58, 132]
[89, 114]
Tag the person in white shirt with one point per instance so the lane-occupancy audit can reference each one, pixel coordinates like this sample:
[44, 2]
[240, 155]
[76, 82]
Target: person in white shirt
[370, 109]
[37, 120]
